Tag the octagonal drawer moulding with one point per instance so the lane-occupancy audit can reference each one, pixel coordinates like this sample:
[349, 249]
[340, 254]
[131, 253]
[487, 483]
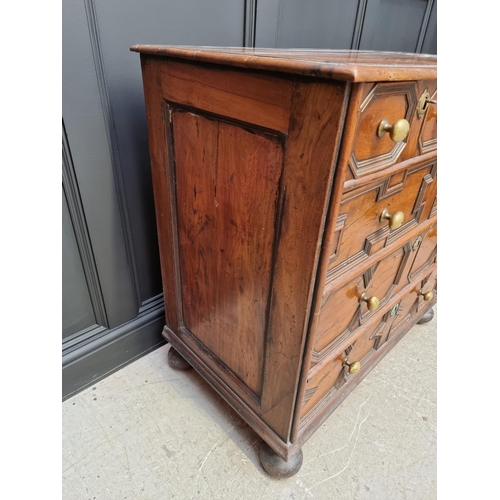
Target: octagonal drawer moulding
[389, 101]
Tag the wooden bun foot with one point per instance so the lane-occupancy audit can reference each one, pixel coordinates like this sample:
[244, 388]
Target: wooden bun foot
[426, 317]
[276, 466]
[176, 361]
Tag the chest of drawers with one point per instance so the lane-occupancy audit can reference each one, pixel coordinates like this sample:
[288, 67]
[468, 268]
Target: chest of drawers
[295, 195]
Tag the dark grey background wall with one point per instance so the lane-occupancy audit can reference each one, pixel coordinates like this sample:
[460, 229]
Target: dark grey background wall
[112, 300]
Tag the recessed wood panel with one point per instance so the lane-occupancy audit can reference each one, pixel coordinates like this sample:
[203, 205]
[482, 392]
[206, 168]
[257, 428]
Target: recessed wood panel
[227, 204]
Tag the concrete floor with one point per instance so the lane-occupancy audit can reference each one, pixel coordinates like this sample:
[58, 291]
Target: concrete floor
[148, 432]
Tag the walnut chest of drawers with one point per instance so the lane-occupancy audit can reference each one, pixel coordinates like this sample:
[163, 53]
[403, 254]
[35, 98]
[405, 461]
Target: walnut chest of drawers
[295, 195]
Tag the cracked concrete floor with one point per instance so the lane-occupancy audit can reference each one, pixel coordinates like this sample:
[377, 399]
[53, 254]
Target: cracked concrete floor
[148, 432]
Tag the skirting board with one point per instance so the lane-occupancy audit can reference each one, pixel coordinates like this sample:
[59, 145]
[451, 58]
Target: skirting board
[114, 350]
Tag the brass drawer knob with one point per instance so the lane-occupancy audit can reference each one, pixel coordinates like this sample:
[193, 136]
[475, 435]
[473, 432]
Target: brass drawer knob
[371, 302]
[395, 220]
[354, 367]
[427, 295]
[398, 131]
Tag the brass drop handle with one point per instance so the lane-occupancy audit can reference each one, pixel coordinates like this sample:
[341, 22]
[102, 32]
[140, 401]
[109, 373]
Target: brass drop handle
[371, 302]
[354, 367]
[427, 295]
[398, 131]
[395, 220]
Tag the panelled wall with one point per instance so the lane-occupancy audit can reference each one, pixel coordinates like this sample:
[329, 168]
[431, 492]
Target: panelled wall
[112, 295]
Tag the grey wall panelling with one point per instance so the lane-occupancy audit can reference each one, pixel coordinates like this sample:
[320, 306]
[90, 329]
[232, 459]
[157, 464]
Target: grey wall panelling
[112, 295]
[320, 24]
[395, 25]
[77, 311]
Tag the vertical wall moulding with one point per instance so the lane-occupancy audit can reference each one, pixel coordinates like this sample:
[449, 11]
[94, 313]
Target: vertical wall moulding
[93, 27]
[278, 22]
[358, 25]
[424, 26]
[77, 214]
[249, 23]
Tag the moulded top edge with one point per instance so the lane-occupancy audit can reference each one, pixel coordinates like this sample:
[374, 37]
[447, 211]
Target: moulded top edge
[347, 65]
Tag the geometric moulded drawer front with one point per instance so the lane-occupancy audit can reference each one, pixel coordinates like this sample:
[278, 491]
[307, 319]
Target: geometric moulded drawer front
[385, 101]
[342, 312]
[359, 232]
[325, 384]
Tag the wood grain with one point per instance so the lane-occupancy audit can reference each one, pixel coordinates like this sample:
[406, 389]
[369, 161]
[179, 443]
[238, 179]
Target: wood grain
[428, 133]
[164, 196]
[336, 385]
[254, 98]
[354, 93]
[361, 233]
[416, 263]
[226, 236]
[342, 311]
[384, 101]
[345, 65]
[316, 118]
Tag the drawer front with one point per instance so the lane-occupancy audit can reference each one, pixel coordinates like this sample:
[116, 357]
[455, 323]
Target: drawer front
[425, 250]
[343, 314]
[360, 232]
[327, 383]
[342, 311]
[428, 133]
[391, 102]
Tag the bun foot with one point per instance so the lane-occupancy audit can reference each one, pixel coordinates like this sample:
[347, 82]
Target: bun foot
[426, 317]
[176, 361]
[276, 466]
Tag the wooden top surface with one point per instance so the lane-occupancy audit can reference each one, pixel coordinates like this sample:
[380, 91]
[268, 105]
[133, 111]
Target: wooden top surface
[348, 65]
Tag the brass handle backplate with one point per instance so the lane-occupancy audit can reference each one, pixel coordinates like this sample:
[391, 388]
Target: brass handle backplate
[398, 131]
[371, 302]
[427, 295]
[395, 220]
[423, 103]
[354, 367]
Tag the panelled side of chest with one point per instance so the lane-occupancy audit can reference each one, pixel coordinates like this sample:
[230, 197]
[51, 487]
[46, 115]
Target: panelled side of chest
[243, 163]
